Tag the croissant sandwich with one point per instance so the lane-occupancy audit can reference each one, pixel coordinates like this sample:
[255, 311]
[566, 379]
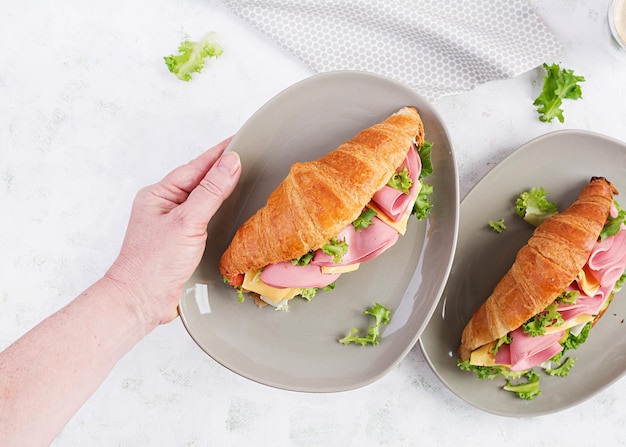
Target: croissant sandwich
[561, 282]
[329, 215]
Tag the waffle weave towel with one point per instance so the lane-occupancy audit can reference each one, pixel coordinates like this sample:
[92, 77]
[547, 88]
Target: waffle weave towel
[437, 47]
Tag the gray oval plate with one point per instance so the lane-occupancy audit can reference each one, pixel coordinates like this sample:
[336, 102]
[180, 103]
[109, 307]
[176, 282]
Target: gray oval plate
[563, 162]
[298, 350]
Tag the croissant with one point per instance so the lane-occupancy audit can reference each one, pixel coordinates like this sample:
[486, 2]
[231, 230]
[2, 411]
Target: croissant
[543, 268]
[319, 198]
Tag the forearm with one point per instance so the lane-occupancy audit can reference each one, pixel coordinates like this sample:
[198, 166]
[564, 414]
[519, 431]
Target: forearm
[51, 371]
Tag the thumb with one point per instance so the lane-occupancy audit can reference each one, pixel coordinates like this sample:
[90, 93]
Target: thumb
[215, 187]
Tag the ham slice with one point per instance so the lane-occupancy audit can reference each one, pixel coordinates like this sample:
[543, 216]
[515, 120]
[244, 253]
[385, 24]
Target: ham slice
[606, 263]
[584, 306]
[503, 356]
[608, 259]
[394, 203]
[285, 274]
[527, 352]
[362, 246]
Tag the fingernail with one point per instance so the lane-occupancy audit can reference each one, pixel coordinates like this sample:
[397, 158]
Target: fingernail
[229, 162]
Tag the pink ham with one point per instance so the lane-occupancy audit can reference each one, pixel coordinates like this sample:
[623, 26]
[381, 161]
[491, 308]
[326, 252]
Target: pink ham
[527, 352]
[503, 356]
[584, 306]
[285, 274]
[607, 263]
[393, 202]
[362, 246]
[608, 259]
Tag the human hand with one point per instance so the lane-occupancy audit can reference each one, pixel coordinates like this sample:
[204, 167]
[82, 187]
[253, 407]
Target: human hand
[167, 233]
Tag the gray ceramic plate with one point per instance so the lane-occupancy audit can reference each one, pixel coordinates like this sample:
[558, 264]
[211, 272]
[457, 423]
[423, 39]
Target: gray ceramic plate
[562, 162]
[298, 350]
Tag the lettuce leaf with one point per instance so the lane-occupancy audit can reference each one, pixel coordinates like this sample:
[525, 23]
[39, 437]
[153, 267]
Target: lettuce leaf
[336, 249]
[497, 226]
[422, 205]
[364, 220]
[558, 84]
[192, 55]
[525, 390]
[401, 181]
[534, 207]
[613, 224]
[382, 316]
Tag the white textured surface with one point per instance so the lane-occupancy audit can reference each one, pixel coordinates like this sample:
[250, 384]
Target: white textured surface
[89, 114]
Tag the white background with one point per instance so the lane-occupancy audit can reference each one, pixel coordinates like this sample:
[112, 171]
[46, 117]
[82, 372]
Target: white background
[89, 114]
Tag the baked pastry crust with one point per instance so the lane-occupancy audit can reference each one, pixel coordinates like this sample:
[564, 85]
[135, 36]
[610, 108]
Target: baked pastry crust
[543, 268]
[321, 197]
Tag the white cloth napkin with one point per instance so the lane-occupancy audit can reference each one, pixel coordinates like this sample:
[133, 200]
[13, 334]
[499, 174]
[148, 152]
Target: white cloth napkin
[437, 47]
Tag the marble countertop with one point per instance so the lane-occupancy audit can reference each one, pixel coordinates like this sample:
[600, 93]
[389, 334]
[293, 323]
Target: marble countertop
[89, 114]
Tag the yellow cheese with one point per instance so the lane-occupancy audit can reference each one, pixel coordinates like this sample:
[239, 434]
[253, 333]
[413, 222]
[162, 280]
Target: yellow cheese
[483, 355]
[400, 225]
[252, 282]
[579, 319]
[340, 268]
[588, 283]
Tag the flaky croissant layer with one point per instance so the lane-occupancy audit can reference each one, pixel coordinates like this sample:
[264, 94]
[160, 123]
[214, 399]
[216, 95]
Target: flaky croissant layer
[543, 268]
[319, 198]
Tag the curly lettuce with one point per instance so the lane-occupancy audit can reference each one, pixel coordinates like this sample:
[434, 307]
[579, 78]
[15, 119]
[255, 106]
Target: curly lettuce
[401, 181]
[192, 56]
[364, 220]
[382, 316]
[498, 226]
[534, 207]
[527, 390]
[613, 224]
[422, 206]
[336, 249]
[558, 84]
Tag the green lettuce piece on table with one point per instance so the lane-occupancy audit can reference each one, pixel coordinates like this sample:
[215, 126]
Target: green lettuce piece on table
[558, 84]
[192, 55]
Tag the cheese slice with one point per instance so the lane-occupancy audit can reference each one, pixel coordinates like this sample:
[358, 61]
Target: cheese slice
[588, 283]
[483, 356]
[331, 269]
[252, 282]
[578, 319]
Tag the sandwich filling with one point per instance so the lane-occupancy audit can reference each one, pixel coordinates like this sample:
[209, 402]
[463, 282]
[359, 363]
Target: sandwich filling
[377, 229]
